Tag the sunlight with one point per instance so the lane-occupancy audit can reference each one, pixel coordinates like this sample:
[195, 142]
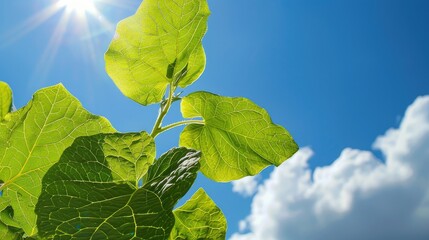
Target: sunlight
[45, 62]
[80, 18]
[79, 6]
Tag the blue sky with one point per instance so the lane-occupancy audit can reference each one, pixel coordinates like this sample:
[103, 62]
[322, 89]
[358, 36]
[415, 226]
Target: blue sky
[335, 73]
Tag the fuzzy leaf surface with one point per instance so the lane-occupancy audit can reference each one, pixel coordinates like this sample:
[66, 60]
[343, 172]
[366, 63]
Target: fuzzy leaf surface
[157, 46]
[32, 140]
[199, 218]
[173, 174]
[238, 137]
[87, 196]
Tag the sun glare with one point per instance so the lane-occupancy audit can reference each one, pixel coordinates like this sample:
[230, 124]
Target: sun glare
[78, 5]
[77, 15]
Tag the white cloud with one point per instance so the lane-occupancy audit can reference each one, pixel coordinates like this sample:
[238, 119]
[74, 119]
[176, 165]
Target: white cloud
[245, 186]
[356, 197]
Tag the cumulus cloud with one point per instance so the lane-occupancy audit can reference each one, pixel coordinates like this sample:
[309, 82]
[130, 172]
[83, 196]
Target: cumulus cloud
[246, 186]
[356, 197]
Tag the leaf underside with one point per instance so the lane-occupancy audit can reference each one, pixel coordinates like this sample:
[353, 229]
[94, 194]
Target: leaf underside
[158, 46]
[237, 139]
[32, 140]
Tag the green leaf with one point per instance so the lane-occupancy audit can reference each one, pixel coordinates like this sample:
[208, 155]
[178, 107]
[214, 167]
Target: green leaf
[7, 234]
[32, 140]
[158, 46]
[173, 174]
[194, 69]
[199, 218]
[5, 99]
[238, 138]
[83, 197]
[129, 156]
[6, 217]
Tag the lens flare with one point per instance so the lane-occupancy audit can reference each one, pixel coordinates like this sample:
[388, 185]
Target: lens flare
[80, 6]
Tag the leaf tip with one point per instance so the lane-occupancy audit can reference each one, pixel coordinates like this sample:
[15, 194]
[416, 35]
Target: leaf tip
[5, 99]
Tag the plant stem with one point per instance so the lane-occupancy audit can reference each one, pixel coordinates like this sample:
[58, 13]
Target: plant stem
[181, 123]
[157, 128]
[162, 112]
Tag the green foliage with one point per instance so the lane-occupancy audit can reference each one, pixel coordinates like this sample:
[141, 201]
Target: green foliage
[158, 46]
[67, 174]
[173, 174]
[32, 141]
[199, 218]
[89, 195]
[7, 233]
[238, 138]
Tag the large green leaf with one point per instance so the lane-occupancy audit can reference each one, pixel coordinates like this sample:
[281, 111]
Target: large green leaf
[5, 99]
[158, 46]
[32, 140]
[86, 195]
[237, 139]
[173, 174]
[199, 218]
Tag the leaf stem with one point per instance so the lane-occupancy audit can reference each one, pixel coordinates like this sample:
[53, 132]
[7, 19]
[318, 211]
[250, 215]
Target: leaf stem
[165, 106]
[181, 123]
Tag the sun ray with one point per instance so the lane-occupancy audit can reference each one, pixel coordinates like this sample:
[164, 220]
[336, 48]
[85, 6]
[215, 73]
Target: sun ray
[102, 20]
[30, 24]
[45, 62]
[81, 14]
[89, 43]
[105, 25]
[123, 4]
